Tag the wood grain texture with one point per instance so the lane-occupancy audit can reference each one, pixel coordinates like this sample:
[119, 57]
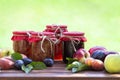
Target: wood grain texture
[57, 72]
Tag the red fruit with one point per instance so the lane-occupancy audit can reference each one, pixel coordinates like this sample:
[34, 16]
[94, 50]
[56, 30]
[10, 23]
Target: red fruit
[8, 57]
[97, 65]
[91, 50]
[6, 63]
[81, 54]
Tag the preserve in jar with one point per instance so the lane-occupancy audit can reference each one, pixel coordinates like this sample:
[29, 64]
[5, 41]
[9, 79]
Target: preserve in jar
[72, 41]
[58, 30]
[42, 46]
[58, 51]
[20, 41]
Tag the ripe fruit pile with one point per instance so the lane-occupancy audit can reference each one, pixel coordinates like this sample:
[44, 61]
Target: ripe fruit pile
[96, 58]
[21, 62]
[25, 61]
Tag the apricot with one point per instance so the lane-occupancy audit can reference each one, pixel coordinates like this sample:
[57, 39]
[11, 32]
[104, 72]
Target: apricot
[97, 65]
[88, 61]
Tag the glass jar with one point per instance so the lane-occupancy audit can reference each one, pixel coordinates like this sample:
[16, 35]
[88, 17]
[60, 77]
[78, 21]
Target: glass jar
[72, 41]
[20, 41]
[58, 30]
[42, 46]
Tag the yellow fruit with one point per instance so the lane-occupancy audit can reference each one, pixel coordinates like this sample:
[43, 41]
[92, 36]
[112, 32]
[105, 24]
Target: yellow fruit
[4, 53]
[112, 63]
[89, 61]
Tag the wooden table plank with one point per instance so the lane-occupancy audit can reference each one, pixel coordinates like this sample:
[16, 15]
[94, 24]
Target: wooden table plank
[57, 72]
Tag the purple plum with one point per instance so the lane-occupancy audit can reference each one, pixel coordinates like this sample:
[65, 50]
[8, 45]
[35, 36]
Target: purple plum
[92, 49]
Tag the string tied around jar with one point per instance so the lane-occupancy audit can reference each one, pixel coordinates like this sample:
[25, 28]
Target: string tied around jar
[58, 28]
[76, 41]
[43, 37]
[28, 33]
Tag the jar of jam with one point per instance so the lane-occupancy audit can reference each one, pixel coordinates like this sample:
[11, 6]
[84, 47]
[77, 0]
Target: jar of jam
[58, 30]
[42, 46]
[20, 41]
[72, 41]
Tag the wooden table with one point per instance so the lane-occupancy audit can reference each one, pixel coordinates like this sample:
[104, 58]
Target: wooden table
[57, 72]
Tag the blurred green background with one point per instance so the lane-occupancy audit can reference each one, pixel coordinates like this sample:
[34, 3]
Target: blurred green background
[99, 19]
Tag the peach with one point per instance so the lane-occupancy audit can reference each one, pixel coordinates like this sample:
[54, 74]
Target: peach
[88, 61]
[97, 65]
[81, 55]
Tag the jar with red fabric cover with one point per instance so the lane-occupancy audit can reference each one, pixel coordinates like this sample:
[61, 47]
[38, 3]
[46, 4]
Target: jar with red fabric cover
[42, 46]
[20, 41]
[72, 41]
[58, 30]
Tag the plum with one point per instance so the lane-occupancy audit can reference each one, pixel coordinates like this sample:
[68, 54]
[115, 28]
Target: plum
[27, 61]
[18, 64]
[48, 62]
[92, 49]
[99, 54]
[111, 52]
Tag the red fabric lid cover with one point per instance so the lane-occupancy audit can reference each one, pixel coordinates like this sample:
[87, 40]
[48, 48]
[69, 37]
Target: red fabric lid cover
[37, 36]
[74, 36]
[73, 33]
[49, 34]
[83, 39]
[52, 28]
[20, 32]
[20, 35]
[55, 26]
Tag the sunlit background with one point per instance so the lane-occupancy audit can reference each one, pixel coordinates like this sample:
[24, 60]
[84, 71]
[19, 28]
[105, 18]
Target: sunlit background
[99, 19]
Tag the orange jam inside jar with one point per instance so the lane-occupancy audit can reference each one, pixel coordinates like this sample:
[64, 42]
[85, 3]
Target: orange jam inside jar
[58, 51]
[72, 41]
[20, 41]
[41, 46]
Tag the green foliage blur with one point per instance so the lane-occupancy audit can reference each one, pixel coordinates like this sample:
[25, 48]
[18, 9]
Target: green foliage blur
[99, 19]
